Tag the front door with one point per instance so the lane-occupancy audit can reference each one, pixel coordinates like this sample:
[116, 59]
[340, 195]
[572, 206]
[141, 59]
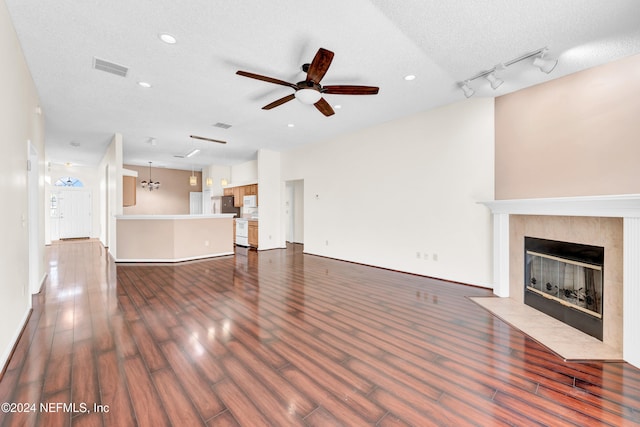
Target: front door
[74, 214]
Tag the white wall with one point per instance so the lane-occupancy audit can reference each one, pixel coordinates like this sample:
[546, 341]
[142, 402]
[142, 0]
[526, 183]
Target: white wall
[20, 122]
[385, 194]
[111, 192]
[244, 173]
[217, 173]
[270, 195]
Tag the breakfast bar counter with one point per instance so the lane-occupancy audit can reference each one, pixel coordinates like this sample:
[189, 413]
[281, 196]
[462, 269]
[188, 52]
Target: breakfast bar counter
[173, 238]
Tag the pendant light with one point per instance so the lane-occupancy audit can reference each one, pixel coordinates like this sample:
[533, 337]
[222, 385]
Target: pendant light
[151, 185]
[193, 180]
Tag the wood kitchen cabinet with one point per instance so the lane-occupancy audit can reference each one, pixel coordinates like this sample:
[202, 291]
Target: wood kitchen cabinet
[238, 194]
[240, 191]
[253, 234]
[251, 190]
[128, 190]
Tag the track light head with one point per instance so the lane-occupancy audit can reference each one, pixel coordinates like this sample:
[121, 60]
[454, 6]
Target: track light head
[468, 91]
[545, 65]
[495, 82]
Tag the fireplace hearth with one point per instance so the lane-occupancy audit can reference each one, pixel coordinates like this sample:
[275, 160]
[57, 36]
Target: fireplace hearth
[564, 280]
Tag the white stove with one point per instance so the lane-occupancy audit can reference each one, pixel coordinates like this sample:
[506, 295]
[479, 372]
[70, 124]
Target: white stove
[242, 232]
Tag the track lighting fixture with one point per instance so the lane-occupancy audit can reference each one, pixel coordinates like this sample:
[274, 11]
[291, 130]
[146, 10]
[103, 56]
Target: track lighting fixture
[495, 82]
[544, 64]
[468, 92]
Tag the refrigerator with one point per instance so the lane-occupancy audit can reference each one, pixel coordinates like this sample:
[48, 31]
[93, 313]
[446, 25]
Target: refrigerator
[226, 206]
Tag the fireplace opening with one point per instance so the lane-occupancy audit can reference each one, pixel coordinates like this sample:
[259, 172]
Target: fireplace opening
[564, 280]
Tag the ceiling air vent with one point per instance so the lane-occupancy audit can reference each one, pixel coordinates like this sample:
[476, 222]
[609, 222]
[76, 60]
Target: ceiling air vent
[221, 125]
[110, 67]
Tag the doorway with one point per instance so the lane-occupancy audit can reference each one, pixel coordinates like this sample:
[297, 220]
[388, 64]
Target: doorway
[294, 211]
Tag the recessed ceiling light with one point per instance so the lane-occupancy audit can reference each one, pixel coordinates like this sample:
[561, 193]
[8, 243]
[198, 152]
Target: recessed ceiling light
[409, 77]
[144, 84]
[167, 38]
[290, 125]
[337, 106]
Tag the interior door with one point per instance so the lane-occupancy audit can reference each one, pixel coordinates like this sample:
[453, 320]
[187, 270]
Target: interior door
[74, 214]
[195, 203]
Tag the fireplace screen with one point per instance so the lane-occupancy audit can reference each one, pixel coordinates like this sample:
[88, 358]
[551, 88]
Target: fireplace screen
[572, 283]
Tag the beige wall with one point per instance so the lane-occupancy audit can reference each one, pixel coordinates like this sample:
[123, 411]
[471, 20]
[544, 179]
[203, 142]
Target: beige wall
[174, 239]
[574, 136]
[605, 232]
[19, 123]
[171, 199]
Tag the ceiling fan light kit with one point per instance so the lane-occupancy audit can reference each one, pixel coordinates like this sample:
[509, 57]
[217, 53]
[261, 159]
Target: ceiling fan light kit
[544, 64]
[310, 91]
[308, 96]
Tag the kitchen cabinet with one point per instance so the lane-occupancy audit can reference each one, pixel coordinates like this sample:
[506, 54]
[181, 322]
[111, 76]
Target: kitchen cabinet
[253, 234]
[128, 190]
[251, 190]
[240, 191]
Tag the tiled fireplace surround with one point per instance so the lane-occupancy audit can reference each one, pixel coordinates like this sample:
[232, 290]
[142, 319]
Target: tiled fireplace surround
[609, 221]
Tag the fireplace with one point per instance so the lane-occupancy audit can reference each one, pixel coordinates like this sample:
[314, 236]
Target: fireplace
[612, 222]
[565, 281]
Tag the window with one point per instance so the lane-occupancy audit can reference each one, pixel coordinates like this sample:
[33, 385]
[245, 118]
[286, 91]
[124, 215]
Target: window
[68, 181]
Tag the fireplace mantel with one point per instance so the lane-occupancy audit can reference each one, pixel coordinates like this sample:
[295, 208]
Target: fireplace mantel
[619, 206]
[626, 206]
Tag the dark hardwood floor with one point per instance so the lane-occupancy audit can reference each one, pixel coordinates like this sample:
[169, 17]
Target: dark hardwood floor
[281, 338]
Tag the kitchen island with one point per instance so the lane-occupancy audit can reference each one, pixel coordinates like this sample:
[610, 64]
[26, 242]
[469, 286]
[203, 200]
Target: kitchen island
[173, 238]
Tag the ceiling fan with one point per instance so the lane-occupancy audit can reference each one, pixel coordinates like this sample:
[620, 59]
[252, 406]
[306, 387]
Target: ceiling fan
[310, 91]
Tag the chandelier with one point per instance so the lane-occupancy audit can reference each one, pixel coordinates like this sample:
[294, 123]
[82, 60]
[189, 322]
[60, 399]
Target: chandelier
[150, 185]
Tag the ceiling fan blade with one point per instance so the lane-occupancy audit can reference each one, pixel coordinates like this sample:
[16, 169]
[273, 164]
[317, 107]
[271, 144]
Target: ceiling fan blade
[324, 107]
[266, 79]
[279, 102]
[350, 90]
[319, 65]
[207, 139]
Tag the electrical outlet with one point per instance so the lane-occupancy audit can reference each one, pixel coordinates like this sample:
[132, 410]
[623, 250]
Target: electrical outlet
[206, 243]
[326, 243]
[418, 255]
[435, 257]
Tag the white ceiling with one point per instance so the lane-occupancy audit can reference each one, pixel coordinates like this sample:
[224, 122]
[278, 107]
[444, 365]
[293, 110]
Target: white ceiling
[376, 42]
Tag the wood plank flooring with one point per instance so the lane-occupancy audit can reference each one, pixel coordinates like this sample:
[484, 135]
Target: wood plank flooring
[280, 338]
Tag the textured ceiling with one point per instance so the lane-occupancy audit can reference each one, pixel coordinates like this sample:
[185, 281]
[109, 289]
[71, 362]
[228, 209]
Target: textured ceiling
[376, 42]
